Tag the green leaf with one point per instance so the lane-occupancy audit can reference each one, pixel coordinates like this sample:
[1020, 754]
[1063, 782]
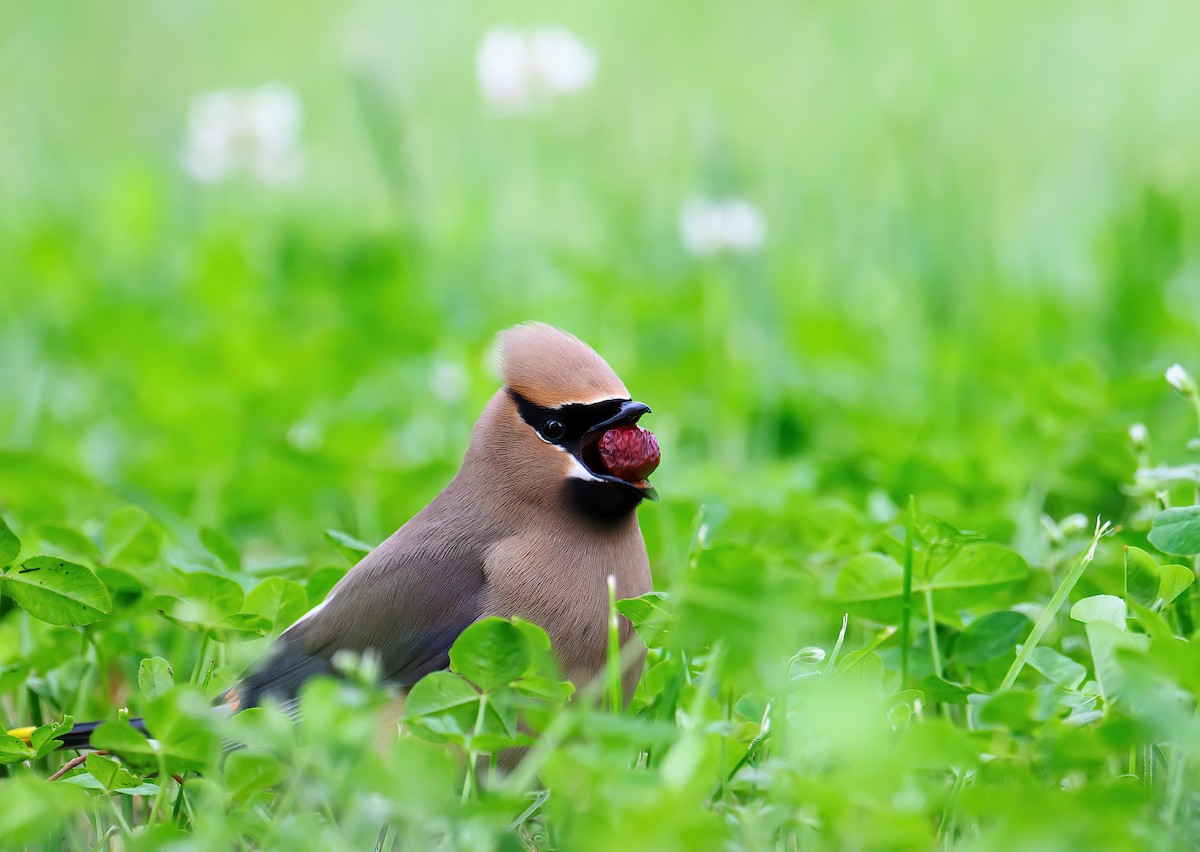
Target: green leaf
[45, 739]
[492, 743]
[651, 615]
[444, 705]
[208, 600]
[490, 653]
[13, 676]
[1014, 710]
[248, 771]
[70, 542]
[1152, 585]
[131, 538]
[542, 661]
[121, 738]
[993, 635]
[33, 810]
[1108, 609]
[216, 543]
[976, 570]
[945, 692]
[869, 577]
[111, 775]
[874, 582]
[438, 692]
[499, 716]
[936, 744]
[1141, 576]
[1153, 623]
[354, 548]
[318, 585]
[144, 788]
[536, 639]
[10, 545]
[219, 596]
[13, 750]
[737, 596]
[546, 689]
[1174, 580]
[57, 591]
[241, 626]
[279, 601]
[1177, 531]
[1060, 669]
[89, 782]
[1106, 640]
[181, 721]
[155, 677]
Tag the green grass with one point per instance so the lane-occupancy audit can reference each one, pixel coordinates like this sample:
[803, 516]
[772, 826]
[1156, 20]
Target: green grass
[981, 258]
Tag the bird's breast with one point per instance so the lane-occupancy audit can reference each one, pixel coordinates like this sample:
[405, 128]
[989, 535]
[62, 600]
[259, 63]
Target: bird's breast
[561, 584]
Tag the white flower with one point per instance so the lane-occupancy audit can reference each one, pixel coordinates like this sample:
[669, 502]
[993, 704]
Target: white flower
[307, 436]
[1139, 435]
[520, 70]
[448, 380]
[709, 226]
[1075, 523]
[256, 130]
[1178, 378]
[811, 654]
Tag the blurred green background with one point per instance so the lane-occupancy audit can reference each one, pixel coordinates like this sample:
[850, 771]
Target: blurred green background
[980, 254]
[980, 257]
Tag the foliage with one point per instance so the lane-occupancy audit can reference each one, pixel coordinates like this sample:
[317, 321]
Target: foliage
[885, 616]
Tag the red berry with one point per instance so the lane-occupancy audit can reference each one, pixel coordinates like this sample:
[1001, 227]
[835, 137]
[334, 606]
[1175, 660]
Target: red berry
[630, 452]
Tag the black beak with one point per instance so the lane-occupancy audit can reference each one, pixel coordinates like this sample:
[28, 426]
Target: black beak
[626, 415]
[629, 412]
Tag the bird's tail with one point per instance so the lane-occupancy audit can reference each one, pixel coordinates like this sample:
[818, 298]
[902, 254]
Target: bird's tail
[78, 737]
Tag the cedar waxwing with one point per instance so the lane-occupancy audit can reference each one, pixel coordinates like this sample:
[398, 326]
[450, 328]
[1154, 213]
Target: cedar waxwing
[537, 518]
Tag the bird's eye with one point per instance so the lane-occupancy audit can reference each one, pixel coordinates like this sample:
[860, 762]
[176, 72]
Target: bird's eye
[553, 429]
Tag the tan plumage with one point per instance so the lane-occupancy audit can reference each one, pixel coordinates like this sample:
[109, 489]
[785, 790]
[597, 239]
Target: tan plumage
[550, 367]
[532, 525]
[525, 528]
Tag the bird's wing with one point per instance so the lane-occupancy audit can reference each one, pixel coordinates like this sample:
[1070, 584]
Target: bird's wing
[406, 602]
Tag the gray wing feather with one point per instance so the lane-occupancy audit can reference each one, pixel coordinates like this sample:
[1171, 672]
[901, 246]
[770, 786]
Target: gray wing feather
[406, 601]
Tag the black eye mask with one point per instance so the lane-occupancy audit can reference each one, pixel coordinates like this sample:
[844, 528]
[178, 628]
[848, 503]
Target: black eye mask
[566, 425]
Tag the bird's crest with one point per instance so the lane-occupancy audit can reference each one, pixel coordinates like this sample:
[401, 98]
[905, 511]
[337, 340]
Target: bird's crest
[549, 367]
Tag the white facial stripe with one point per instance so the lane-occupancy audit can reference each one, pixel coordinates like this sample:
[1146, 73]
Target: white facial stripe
[578, 471]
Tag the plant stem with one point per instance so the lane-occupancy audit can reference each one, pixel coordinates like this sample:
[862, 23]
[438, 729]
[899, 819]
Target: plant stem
[1056, 602]
[472, 754]
[935, 653]
[613, 665]
[906, 600]
[199, 668]
[837, 647]
[1176, 777]
[177, 806]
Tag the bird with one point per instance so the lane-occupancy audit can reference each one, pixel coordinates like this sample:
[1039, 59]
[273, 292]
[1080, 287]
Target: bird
[540, 514]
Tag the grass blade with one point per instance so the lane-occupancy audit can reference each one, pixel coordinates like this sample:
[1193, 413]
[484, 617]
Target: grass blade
[1056, 602]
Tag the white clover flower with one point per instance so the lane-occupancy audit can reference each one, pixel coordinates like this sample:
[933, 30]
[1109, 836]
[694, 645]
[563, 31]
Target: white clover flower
[1178, 378]
[1075, 523]
[255, 130]
[522, 70]
[811, 654]
[448, 380]
[709, 226]
[1139, 435]
[307, 436]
